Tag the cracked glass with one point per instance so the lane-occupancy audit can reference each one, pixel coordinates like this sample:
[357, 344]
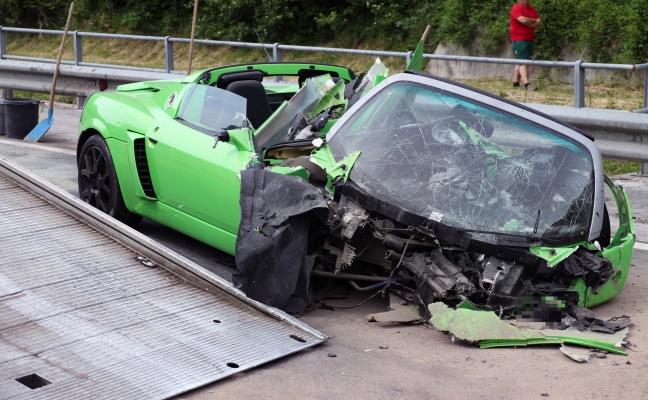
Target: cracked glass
[469, 165]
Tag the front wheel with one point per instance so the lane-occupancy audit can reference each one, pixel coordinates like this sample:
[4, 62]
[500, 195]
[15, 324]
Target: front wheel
[98, 184]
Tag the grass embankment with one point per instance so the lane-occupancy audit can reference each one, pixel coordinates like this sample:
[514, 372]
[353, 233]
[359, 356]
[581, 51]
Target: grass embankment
[618, 95]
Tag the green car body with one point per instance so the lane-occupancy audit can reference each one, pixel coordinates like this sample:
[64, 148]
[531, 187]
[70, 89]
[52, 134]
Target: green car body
[180, 159]
[173, 169]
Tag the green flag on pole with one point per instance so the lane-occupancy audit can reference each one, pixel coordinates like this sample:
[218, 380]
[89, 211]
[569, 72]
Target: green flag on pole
[416, 62]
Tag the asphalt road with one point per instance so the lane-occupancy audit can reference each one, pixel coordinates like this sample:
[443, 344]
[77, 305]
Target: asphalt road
[367, 361]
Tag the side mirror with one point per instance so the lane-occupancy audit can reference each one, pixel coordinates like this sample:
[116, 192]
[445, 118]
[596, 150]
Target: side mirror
[221, 137]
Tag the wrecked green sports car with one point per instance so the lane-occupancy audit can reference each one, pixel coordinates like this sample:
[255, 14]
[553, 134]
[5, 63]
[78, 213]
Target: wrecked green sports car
[415, 184]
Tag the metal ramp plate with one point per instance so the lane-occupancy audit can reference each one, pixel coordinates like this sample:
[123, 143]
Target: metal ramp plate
[82, 317]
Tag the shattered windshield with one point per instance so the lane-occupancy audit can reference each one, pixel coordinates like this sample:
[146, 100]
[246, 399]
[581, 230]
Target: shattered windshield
[212, 110]
[468, 165]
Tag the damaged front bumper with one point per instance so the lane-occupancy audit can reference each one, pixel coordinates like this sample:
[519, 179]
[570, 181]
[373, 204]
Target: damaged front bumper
[354, 232]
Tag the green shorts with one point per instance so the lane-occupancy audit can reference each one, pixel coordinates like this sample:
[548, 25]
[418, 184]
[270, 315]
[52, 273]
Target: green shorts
[523, 49]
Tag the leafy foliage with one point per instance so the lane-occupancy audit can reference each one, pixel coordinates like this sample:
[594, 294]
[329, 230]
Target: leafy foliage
[600, 30]
[160, 17]
[32, 13]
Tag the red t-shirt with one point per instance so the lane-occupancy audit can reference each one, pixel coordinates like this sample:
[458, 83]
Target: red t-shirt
[520, 31]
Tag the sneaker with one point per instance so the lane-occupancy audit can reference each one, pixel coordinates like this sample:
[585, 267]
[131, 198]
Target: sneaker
[531, 88]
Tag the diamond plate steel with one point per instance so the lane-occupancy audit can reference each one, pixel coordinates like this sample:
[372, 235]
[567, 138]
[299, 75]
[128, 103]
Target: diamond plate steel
[82, 317]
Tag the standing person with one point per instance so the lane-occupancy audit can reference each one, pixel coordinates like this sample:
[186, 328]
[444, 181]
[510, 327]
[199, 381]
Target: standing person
[524, 20]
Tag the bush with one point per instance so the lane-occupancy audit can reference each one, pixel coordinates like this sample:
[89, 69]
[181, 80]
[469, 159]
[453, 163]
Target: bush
[602, 30]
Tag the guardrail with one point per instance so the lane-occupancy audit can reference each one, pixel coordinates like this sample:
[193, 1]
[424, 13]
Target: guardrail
[620, 135]
[73, 80]
[579, 67]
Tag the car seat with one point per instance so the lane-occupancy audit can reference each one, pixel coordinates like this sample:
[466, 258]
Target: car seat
[258, 108]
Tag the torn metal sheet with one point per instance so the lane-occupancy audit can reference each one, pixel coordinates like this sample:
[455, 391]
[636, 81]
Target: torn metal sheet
[487, 329]
[82, 317]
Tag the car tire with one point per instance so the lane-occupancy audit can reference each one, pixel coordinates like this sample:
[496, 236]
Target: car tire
[98, 184]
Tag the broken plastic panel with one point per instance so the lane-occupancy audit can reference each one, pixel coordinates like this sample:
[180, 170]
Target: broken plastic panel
[333, 97]
[487, 329]
[272, 239]
[376, 74]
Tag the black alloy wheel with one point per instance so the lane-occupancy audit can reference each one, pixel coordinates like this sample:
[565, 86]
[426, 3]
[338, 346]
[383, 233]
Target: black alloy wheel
[98, 184]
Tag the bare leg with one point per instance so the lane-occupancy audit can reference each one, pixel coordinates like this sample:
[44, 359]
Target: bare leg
[524, 73]
[516, 74]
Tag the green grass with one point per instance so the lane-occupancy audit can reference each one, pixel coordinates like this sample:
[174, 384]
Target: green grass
[612, 167]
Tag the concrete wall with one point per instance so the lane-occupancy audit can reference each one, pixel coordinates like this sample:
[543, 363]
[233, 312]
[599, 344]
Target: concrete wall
[470, 70]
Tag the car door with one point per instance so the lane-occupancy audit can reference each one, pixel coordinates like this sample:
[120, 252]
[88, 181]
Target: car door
[190, 171]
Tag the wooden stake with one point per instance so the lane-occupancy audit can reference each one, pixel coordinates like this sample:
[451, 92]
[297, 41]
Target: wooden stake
[193, 34]
[427, 30]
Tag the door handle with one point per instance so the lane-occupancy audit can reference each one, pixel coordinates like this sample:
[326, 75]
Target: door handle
[151, 140]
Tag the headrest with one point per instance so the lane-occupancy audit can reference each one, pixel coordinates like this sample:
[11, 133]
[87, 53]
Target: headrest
[227, 78]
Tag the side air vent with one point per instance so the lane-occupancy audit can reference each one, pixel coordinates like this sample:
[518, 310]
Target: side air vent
[142, 168]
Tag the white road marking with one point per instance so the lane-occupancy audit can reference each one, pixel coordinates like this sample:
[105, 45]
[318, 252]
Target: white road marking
[641, 246]
[18, 143]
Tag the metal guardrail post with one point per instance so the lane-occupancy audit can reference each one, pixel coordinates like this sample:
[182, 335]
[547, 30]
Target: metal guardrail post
[408, 57]
[277, 56]
[645, 88]
[78, 48]
[579, 85]
[168, 54]
[276, 53]
[78, 58]
[5, 93]
[3, 43]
